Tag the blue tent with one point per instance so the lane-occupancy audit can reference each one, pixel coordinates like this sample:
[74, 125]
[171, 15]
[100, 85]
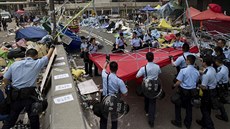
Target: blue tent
[30, 33]
[148, 8]
[76, 42]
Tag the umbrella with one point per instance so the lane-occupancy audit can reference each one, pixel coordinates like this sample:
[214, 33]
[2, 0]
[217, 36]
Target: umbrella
[148, 8]
[21, 12]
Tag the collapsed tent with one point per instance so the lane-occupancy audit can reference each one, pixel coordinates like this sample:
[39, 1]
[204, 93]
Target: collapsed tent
[148, 9]
[75, 44]
[30, 33]
[164, 24]
[129, 63]
[193, 12]
[211, 15]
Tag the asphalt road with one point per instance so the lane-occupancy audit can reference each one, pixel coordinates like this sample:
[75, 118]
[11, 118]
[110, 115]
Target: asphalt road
[136, 118]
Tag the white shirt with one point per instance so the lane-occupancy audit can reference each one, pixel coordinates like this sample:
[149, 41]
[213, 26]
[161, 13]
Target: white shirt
[153, 70]
[136, 42]
[181, 61]
[209, 78]
[119, 42]
[222, 75]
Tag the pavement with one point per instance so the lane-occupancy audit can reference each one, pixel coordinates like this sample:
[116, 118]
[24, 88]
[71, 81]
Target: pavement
[136, 118]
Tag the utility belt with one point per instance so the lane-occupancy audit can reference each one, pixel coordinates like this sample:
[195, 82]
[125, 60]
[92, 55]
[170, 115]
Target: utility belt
[189, 92]
[23, 93]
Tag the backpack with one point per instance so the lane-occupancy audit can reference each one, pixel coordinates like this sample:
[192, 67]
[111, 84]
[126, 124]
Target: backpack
[151, 88]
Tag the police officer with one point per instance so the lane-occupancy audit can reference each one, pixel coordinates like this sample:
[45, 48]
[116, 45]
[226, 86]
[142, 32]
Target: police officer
[91, 49]
[222, 43]
[148, 39]
[153, 70]
[208, 85]
[177, 43]
[222, 83]
[138, 30]
[135, 42]
[23, 76]
[180, 62]
[84, 55]
[120, 43]
[113, 85]
[186, 80]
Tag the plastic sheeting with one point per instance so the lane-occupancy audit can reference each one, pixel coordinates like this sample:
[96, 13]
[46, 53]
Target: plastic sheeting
[31, 33]
[130, 63]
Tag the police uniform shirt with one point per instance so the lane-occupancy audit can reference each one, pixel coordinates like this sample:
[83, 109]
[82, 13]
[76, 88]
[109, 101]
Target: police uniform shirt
[24, 73]
[180, 61]
[115, 84]
[226, 52]
[147, 38]
[138, 31]
[209, 78]
[177, 44]
[188, 77]
[92, 48]
[153, 70]
[222, 74]
[119, 42]
[84, 45]
[136, 42]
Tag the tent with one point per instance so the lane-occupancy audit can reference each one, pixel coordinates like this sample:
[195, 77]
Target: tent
[164, 24]
[169, 9]
[157, 7]
[211, 15]
[148, 9]
[30, 33]
[193, 12]
[135, 60]
[76, 40]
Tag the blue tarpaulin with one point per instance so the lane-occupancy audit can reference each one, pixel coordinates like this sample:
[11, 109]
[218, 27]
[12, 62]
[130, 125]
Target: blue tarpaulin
[148, 8]
[31, 33]
[76, 42]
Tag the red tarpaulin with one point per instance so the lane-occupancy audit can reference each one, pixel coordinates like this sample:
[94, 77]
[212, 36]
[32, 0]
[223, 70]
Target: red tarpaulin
[21, 12]
[220, 26]
[193, 12]
[210, 15]
[129, 63]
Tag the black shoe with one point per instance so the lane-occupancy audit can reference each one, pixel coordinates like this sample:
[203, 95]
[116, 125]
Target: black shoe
[199, 122]
[177, 124]
[221, 118]
[151, 124]
[187, 126]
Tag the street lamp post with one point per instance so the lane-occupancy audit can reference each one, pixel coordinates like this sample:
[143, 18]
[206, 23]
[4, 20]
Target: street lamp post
[53, 18]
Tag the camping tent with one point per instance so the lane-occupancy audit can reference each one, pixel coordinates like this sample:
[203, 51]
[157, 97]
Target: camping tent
[148, 9]
[135, 60]
[193, 12]
[164, 24]
[211, 15]
[30, 33]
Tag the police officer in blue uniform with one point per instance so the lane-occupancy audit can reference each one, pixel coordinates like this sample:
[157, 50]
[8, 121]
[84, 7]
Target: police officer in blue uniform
[115, 85]
[120, 43]
[84, 55]
[208, 85]
[222, 43]
[222, 84]
[180, 62]
[91, 49]
[135, 42]
[186, 81]
[22, 75]
[153, 70]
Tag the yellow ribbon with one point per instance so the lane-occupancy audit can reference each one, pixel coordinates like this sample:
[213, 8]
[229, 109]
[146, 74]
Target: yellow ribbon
[73, 19]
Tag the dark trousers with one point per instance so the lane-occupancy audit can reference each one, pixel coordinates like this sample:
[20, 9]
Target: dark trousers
[104, 120]
[222, 111]
[205, 108]
[89, 66]
[186, 103]
[150, 108]
[16, 108]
